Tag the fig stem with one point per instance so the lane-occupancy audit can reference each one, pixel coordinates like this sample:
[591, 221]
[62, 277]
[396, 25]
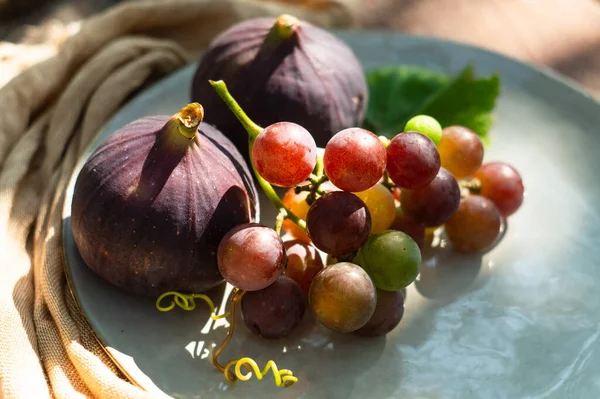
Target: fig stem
[221, 88]
[253, 131]
[285, 26]
[189, 118]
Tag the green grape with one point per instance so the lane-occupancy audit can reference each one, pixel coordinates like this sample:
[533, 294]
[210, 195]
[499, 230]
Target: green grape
[426, 125]
[391, 259]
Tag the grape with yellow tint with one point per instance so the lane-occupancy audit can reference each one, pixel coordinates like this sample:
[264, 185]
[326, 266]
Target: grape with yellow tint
[380, 202]
[343, 297]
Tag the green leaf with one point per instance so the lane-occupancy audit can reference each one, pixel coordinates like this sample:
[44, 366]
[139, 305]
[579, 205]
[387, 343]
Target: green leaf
[399, 93]
[396, 94]
[467, 101]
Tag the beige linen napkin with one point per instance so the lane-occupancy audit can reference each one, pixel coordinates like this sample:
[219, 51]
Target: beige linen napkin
[48, 115]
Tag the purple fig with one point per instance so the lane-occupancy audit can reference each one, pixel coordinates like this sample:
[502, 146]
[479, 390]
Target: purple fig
[153, 201]
[282, 70]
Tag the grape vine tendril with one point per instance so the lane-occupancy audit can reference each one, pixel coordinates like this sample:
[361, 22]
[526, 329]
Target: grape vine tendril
[187, 302]
[283, 378]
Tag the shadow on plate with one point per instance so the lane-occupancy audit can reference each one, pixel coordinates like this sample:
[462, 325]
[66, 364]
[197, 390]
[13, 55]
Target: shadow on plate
[445, 275]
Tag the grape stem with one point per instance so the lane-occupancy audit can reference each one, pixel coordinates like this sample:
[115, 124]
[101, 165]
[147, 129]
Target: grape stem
[384, 140]
[387, 182]
[471, 186]
[316, 179]
[279, 220]
[221, 88]
[253, 131]
[319, 166]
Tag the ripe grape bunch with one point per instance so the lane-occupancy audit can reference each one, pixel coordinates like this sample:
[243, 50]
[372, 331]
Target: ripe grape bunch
[366, 203]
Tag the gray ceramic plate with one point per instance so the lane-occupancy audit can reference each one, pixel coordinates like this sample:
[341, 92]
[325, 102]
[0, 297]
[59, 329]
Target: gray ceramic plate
[523, 321]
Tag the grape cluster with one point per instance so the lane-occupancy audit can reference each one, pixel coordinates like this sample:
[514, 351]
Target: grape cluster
[368, 203]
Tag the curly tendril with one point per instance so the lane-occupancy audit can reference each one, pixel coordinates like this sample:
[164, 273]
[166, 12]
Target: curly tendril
[187, 302]
[282, 377]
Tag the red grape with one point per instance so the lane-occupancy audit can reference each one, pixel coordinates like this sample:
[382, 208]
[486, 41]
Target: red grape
[304, 263]
[275, 311]
[388, 313]
[502, 184]
[412, 160]
[284, 154]
[404, 224]
[251, 256]
[475, 226]
[338, 223]
[354, 159]
[343, 297]
[380, 203]
[433, 204]
[461, 151]
[298, 205]
[396, 193]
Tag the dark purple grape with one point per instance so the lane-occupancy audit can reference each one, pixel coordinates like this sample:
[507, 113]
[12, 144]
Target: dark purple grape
[388, 313]
[338, 223]
[251, 256]
[412, 160]
[275, 311]
[433, 204]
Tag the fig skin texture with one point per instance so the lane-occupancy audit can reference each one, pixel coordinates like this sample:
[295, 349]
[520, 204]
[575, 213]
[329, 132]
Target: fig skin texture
[282, 69]
[151, 205]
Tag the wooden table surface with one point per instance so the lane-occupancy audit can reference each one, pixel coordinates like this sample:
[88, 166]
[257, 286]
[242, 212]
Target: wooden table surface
[562, 34]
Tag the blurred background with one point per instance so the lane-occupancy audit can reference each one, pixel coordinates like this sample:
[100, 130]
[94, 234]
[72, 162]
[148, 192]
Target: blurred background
[561, 34]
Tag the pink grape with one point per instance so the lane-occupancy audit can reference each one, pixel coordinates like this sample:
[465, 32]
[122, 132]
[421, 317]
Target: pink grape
[354, 159]
[284, 154]
[501, 183]
[251, 256]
